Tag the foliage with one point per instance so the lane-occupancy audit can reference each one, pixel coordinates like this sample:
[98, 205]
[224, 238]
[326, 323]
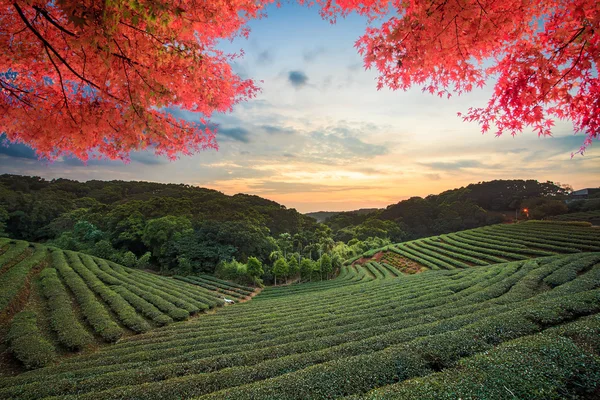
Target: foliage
[254, 268]
[540, 208]
[325, 265]
[232, 270]
[306, 268]
[27, 343]
[109, 219]
[344, 338]
[542, 55]
[130, 260]
[280, 269]
[475, 205]
[112, 77]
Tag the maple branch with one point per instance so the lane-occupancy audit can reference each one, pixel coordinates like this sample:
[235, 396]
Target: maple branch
[457, 39]
[566, 73]
[561, 48]
[4, 85]
[62, 86]
[486, 13]
[46, 15]
[47, 45]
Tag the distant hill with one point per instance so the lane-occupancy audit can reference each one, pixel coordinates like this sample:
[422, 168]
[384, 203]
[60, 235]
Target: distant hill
[321, 216]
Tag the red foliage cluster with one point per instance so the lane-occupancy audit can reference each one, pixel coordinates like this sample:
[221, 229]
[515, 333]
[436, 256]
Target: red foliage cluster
[78, 76]
[82, 76]
[543, 54]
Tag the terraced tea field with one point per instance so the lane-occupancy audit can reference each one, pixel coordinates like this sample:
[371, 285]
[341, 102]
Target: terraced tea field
[490, 245]
[526, 326]
[402, 336]
[55, 301]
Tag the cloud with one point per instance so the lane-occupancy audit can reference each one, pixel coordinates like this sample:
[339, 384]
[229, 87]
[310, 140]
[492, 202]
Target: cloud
[76, 162]
[148, 157]
[299, 187]
[312, 54]
[16, 150]
[298, 79]
[277, 130]
[354, 66]
[264, 57]
[289, 155]
[433, 177]
[237, 134]
[347, 146]
[457, 165]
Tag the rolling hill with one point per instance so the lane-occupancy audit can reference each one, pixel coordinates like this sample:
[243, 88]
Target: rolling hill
[526, 327]
[489, 245]
[55, 301]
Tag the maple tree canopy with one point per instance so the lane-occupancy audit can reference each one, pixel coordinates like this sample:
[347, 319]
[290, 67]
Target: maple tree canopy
[83, 76]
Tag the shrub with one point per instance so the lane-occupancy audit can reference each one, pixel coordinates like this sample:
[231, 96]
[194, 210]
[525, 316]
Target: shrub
[63, 320]
[27, 343]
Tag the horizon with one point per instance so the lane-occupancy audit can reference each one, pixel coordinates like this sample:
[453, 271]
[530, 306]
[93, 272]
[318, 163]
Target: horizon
[320, 136]
[597, 185]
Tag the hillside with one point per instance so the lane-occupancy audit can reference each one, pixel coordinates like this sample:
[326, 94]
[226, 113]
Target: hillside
[375, 332]
[426, 336]
[468, 207]
[489, 245]
[54, 302]
[322, 216]
[159, 224]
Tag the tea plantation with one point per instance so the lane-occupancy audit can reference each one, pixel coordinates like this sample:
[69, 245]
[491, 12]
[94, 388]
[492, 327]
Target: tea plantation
[55, 301]
[496, 313]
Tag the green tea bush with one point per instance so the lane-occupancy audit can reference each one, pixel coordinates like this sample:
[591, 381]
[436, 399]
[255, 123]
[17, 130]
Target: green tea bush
[92, 310]
[26, 342]
[63, 320]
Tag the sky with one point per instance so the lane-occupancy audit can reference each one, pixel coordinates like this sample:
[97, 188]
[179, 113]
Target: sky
[321, 137]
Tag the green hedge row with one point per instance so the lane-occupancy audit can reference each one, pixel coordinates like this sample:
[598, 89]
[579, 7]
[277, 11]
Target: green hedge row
[387, 270]
[13, 281]
[410, 255]
[375, 272]
[451, 252]
[315, 345]
[485, 245]
[192, 292]
[178, 314]
[410, 248]
[173, 293]
[92, 310]
[421, 248]
[195, 281]
[15, 249]
[446, 244]
[221, 287]
[122, 309]
[172, 305]
[528, 240]
[63, 320]
[232, 284]
[26, 342]
[144, 307]
[535, 367]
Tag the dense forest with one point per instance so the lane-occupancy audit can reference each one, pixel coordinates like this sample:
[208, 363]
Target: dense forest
[177, 228]
[475, 205]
